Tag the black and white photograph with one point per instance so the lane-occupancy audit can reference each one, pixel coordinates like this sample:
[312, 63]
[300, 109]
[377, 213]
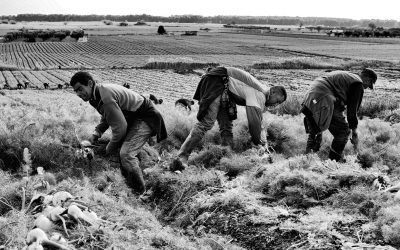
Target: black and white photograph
[199, 125]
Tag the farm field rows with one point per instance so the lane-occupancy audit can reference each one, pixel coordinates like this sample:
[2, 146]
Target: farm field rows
[102, 52]
[227, 49]
[171, 86]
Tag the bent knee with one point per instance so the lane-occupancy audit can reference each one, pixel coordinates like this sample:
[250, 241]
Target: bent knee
[125, 153]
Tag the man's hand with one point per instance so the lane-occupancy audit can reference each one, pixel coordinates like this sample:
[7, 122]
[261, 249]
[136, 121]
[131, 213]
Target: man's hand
[354, 138]
[100, 149]
[93, 139]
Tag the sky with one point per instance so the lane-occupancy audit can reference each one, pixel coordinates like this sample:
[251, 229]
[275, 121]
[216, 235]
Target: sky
[354, 9]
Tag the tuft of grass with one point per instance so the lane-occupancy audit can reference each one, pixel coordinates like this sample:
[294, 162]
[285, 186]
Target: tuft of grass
[366, 159]
[388, 222]
[10, 193]
[235, 165]
[173, 192]
[210, 156]
[359, 198]
[277, 136]
[301, 188]
[178, 125]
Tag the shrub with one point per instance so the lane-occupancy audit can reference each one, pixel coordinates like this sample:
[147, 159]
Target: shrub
[172, 192]
[301, 188]
[366, 158]
[179, 66]
[390, 157]
[179, 126]
[373, 108]
[388, 222]
[60, 35]
[356, 199]
[77, 34]
[10, 195]
[286, 134]
[291, 106]
[161, 30]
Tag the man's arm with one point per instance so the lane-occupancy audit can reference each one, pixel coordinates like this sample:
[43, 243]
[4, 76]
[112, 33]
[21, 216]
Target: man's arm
[101, 127]
[117, 122]
[246, 78]
[356, 92]
[254, 118]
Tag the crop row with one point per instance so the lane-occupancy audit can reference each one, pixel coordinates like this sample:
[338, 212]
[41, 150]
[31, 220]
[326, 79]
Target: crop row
[127, 51]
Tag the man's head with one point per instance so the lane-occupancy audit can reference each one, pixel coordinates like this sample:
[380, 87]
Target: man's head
[368, 76]
[276, 95]
[82, 83]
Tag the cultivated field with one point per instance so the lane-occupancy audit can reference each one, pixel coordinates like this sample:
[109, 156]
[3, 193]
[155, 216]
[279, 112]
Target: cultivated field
[226, 199]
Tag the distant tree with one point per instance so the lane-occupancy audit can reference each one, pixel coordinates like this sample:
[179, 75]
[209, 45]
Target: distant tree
[319, 28]
[372, 26]
[311, 28]
[77, 34]
[161, 30]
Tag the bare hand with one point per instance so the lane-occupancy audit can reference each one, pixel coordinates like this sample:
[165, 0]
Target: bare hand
[354, 139]
[93, 139]
[100, 149]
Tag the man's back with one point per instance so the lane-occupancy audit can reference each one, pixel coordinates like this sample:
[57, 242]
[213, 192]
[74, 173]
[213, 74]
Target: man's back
[126, 99]
[338, 82]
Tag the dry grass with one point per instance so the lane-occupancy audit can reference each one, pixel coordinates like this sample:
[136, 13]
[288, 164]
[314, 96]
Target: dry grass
[238, 184]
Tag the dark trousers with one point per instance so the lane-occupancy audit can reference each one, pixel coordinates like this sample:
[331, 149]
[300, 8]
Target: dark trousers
[338, 127]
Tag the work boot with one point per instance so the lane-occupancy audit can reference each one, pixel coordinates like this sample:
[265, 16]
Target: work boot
[227, 141]
[313, 143]
[336, 157]
[134, 178]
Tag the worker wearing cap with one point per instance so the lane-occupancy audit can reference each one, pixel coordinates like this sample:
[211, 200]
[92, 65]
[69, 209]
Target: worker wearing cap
[324, 104]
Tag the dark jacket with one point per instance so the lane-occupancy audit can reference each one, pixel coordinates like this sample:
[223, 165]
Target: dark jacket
[210, 87]
[336, 89]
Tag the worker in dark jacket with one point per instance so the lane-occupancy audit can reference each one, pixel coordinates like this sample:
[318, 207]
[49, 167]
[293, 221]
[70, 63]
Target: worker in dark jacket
[324, 104]
[132, 118]
[218, 93]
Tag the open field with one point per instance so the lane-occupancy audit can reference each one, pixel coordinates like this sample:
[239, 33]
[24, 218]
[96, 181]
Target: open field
[227, 198]
[127, 50]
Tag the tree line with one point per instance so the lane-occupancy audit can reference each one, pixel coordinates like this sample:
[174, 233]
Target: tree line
[270, 20]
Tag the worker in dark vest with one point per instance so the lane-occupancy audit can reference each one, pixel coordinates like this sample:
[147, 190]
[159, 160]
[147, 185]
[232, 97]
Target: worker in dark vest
[218, 93]
[324, 104]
